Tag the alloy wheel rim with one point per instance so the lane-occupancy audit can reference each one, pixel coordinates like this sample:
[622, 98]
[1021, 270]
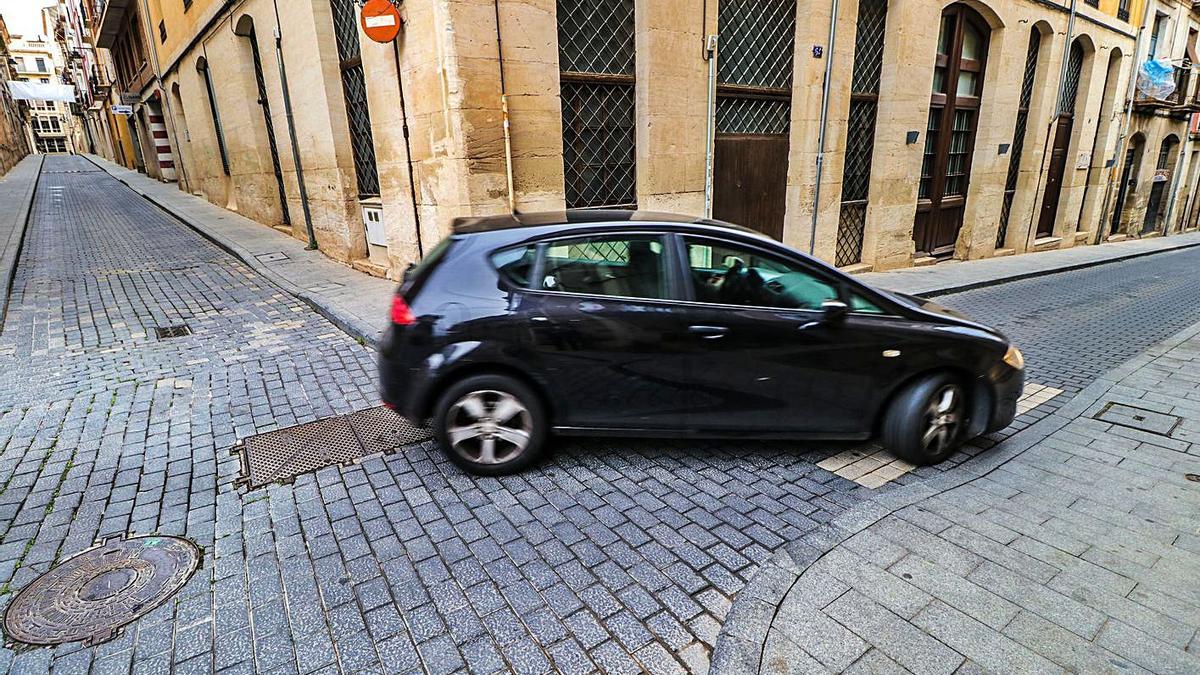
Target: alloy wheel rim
[943, 419]
[489, 427]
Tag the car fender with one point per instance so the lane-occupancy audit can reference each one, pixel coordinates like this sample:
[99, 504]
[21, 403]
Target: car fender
[464, 359]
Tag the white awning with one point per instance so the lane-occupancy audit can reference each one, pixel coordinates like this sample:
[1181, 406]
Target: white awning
[38, 91]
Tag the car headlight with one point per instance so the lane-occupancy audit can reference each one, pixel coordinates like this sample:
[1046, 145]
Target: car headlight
[1015, 358]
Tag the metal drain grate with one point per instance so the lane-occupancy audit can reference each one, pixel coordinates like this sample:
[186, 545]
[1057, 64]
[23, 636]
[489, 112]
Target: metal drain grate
[279, 456]
[1141, 419]
[167, 332]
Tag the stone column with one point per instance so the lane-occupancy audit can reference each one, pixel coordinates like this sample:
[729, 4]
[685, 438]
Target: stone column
[672, 104]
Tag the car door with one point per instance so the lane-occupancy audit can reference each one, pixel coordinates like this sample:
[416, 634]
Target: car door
[606, 331]
[764, 357]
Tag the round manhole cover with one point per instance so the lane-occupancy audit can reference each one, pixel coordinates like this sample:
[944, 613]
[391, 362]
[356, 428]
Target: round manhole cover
[91, 595]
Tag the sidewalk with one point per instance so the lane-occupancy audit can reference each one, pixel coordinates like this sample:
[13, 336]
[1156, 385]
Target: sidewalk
[1075, 548]
[16, 197]
[956, 276]
[358, 303]
[355, 302]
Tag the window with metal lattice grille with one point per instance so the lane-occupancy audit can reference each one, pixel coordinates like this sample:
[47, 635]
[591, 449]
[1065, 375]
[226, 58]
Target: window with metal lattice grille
[354, 87]
[754, 66]
[860, 130]
[1018, 142]
[596, 58]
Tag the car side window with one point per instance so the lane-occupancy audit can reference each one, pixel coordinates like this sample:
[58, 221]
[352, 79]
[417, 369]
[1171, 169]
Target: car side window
[730, 274]
[633, 266]
[515, 265]
[860, 305]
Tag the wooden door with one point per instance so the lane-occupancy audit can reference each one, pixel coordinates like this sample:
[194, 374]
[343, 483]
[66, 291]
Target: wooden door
[1062, 141]
[750, 181]
[1150, 224]
[1054, 178]
[950, 133]
[1127, 185]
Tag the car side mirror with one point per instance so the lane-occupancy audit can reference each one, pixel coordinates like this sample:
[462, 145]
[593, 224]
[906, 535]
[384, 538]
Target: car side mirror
[835, 311]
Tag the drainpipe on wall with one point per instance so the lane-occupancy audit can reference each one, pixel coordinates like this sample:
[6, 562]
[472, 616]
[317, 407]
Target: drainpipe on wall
[291, 123]
[710, 127]
[412, 183]
[829, 53]
[1123, 140]
[508, 170]
[1050, 130]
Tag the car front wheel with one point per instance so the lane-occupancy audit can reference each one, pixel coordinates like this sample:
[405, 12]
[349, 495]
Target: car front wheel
[490, 425]
[927, 422]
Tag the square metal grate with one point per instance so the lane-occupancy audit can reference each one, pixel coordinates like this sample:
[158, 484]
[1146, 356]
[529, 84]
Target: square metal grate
[1141, 419]
[168, 332]
[280, 456]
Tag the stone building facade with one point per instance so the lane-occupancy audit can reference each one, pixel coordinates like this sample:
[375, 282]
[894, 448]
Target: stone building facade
[14, 144]
[947, 130]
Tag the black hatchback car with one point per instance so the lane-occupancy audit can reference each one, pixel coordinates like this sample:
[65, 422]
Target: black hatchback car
[643, 324]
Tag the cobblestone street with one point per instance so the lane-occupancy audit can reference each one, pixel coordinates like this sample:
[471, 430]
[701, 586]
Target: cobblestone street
[615, 555]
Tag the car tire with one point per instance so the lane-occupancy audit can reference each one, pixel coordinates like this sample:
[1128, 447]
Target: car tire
[928, 420]
[490, 425]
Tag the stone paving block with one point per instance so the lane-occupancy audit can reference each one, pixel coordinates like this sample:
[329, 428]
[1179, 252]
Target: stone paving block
[821, 637]
[1145, 650]
[1032, 596]
[1063, 647]
[892, 635]
[978, 642]
[975, 600]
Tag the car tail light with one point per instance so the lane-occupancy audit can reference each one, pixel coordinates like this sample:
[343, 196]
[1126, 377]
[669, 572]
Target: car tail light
[401, 314]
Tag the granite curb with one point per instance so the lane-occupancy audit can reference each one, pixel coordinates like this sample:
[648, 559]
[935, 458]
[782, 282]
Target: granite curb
[742, 640]
[16, 220]
[345, 321]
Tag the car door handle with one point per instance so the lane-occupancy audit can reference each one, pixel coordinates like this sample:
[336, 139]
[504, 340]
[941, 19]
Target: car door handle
[709, 332]
[539, 319]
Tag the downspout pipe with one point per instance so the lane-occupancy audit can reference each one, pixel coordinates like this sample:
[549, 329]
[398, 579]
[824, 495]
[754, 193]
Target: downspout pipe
[291, 124]
[1123, 140]
[710, 127]
[821, 133]
[412, 183]
[508, 161]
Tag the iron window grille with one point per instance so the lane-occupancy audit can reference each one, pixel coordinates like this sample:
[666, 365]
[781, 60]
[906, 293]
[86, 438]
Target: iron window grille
[216, 114]
[860, 131]
[354, 88]
[754, 66]
[1018, 142]
[1123, 10]
[1074, 72]
[596, 59]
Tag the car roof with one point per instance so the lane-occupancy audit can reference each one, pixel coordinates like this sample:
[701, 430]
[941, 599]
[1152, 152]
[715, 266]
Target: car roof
[584, 217]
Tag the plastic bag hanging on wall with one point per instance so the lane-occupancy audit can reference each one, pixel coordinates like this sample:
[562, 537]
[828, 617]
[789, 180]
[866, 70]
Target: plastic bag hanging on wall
[1156, 79]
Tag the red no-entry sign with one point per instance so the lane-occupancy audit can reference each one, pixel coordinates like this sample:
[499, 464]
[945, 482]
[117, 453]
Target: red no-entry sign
[380, 20]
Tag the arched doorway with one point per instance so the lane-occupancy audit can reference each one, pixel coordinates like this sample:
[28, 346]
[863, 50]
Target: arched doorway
[1062, 141]
[950, 133]
[1133, 161]
[1162, 178]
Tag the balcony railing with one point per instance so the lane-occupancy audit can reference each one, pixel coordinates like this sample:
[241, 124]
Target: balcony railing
[1184, 98]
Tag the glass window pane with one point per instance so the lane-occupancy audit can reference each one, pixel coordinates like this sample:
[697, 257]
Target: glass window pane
[972, 46]
[730, 274]
[946, 37]
[861, 305]
[631, 267]
[967, 83]
[516, 264]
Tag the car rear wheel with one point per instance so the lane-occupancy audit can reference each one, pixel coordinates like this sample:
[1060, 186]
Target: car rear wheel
[927, 422]
[490, 425]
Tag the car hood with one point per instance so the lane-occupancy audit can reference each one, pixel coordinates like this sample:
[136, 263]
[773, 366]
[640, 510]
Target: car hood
[930, 307]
